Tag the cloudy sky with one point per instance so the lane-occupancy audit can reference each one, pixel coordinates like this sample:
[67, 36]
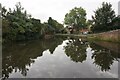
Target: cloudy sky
[43, 9]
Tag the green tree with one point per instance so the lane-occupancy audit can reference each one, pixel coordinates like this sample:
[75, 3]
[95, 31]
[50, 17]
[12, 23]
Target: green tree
[54, 25]
[76, 16]
[103, 18]
[116, 23]
[20, 24]
[4, 12]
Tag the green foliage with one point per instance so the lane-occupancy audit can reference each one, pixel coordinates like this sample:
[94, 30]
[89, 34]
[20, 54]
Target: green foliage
[4, 11]
[18, 25]
[54, 25]
[76, 16]
[103, 18]
[116, 23]
[89, 23]
[5, 29]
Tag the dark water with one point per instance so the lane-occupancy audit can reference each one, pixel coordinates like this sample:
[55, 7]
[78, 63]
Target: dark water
[60, 57]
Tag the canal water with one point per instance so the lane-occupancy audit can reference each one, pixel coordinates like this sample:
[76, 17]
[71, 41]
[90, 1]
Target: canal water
[60, 57]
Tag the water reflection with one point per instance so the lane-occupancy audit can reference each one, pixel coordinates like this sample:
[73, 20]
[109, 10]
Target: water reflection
[103, 57]
[19, 57]
[76, 49]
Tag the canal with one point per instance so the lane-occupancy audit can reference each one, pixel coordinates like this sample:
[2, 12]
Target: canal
[60, 57]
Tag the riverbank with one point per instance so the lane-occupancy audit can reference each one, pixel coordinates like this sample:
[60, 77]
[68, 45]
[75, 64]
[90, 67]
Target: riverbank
[108, 45]
[111, 36]
[71, 35]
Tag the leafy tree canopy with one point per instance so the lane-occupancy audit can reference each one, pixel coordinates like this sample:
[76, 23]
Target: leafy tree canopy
[76, 16]
[54, 25]
[103, 18]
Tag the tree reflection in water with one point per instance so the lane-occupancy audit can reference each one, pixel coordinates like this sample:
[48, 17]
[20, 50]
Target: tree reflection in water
[17, 57]
[103, 57]
[76, 49]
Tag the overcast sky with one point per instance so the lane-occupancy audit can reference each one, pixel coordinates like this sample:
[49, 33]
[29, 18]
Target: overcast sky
[43, 9]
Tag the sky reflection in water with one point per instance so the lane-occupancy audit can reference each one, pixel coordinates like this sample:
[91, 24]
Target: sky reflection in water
[59, 58]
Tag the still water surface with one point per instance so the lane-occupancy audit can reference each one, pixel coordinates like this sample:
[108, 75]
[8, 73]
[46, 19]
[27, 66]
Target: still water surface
[60, 57]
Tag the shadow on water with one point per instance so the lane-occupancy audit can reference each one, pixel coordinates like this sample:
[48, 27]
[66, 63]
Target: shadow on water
[18, 56]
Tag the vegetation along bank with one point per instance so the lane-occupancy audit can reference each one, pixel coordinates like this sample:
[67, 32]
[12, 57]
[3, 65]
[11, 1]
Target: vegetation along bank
[18, 25]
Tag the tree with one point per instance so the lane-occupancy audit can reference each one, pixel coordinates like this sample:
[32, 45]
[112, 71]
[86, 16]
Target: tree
[54, 25]
[4, 12]
[76, 16]
[103, 18]
[116, 23]
[18, 25]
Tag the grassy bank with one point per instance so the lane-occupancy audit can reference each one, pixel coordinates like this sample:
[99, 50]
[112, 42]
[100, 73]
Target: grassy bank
[71, 35]
[111, 36]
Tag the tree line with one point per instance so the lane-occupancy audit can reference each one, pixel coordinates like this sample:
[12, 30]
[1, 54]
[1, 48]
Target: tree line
[104, 19]
[17, 24]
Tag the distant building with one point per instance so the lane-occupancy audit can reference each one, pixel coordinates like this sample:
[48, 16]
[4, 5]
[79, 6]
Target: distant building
[119, 8]
[70, 29]
[84, 31]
